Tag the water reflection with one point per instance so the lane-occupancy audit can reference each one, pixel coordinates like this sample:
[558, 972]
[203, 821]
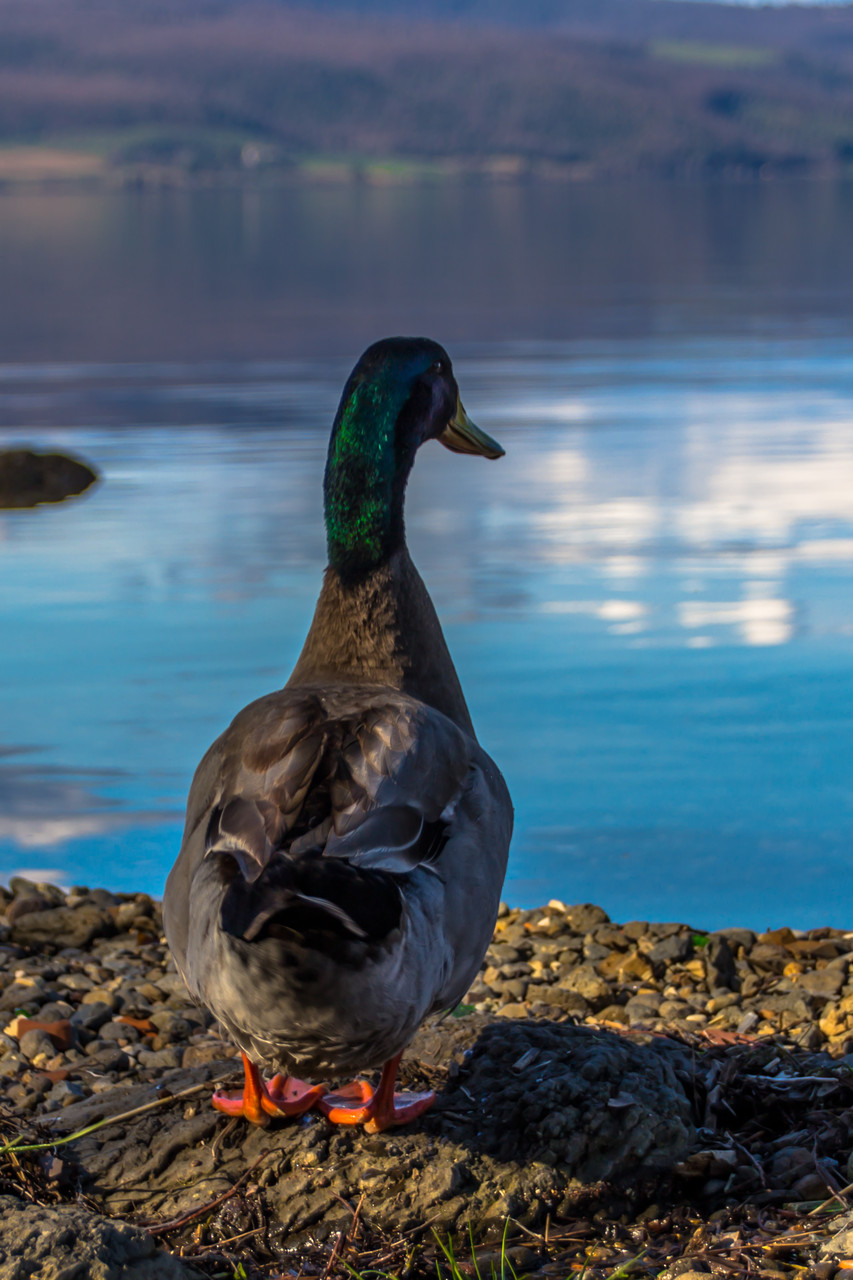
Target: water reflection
[658, 579]
[178, 275]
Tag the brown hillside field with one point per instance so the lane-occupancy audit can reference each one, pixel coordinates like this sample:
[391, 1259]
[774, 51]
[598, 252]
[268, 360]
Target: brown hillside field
[616, 88]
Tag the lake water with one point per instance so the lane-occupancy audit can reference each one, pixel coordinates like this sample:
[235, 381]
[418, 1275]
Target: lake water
[649, 600]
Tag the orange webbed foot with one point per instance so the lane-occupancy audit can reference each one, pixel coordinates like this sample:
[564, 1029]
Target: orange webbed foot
[293, 1097]
[377, 1109]
[283, 1096]
[401, 1108]
[353, 1104]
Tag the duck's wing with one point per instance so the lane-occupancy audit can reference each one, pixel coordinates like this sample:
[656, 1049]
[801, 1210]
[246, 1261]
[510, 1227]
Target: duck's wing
[316, 804]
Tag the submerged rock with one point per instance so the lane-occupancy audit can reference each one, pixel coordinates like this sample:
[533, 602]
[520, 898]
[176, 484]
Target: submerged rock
[28, 479]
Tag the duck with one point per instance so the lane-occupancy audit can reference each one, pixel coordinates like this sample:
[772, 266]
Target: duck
[346, 837]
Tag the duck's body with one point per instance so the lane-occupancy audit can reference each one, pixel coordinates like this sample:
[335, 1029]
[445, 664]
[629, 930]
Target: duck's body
[346, 837]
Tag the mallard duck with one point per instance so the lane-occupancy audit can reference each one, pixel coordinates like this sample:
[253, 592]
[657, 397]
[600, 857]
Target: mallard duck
[346, 837]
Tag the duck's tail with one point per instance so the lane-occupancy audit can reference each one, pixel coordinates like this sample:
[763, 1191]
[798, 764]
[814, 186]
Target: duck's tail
[295, 890]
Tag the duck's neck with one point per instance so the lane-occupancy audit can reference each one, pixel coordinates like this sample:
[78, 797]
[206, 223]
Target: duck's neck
[365, 482]
[382, 629]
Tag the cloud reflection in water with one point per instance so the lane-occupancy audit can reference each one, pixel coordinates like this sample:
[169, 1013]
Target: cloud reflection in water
[658, 578]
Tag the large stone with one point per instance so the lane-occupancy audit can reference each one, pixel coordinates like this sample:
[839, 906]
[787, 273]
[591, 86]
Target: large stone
[719, 963]
[24, 906]
[63, 927]
[91, 1016]
[68, 1243]
[822, 984]
[36, 1042]
[528, 1113]
[669, 950]
[585, 915]
[28, 478]
[585, 982]
[594, 1104]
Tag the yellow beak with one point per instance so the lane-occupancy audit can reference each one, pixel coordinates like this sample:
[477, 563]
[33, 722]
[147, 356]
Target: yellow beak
[462, 436]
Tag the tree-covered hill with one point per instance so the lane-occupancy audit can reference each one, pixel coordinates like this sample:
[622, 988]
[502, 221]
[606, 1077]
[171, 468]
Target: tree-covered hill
[548, 87]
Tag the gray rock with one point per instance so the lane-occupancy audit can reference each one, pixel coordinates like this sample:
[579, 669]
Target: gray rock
[668, 950]
[108, 1057]
[611, 935]
[569, 1117]
[25, 905]
[511, 1010]
[172, 984]
[526, 1107]
[28, 479]
[787, 1002]
[21, 887]
[737, 938]
[584, 916]
[720, 963]
[18, 996]
[562, 999]
[514, 989]
[67, 1243]
[595, 951]
[119, 1031]
[62, 926]
[769, 956]
[161, 1057]
[104, 898]
[642, 1008]
[78, 982]
[35, 1042]
[91, 1016]
[56, 1010]
[500, 953]
[585, 982]
[665, 929]
[12, 1064]
[64, 1093]
[98, 995]
[822, 984]
[54, 894]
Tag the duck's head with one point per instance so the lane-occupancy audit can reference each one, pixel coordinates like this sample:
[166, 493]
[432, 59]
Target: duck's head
[401, 393]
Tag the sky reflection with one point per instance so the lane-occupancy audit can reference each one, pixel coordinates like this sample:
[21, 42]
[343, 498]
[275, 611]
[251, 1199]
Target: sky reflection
[650, 601]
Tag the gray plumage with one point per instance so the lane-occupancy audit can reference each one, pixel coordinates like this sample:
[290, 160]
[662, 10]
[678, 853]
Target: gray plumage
[345, 843]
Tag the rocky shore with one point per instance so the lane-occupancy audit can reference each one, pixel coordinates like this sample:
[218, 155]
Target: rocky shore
[631, 1098]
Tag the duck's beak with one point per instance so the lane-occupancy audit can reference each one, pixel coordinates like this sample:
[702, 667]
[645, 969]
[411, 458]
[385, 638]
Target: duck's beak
[462, 436]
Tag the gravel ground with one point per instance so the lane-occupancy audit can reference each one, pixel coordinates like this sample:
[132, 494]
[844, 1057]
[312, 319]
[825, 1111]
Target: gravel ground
[643, 1092]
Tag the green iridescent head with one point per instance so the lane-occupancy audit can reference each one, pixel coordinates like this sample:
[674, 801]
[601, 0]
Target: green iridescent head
[401, 393]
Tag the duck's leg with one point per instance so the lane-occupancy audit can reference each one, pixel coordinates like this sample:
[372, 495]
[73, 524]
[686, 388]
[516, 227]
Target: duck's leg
[284, 1096]
[379, 1108]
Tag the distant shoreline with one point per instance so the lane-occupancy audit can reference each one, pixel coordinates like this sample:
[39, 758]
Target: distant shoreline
[383, 91]
[50, 168]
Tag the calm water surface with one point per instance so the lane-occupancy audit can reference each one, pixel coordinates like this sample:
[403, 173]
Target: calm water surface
[649, 600]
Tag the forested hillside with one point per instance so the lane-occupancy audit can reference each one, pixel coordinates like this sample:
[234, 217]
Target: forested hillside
[548, 87]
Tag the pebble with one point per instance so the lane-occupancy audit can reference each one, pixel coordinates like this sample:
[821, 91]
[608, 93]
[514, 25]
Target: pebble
[112, 984]
[35, 1043]
[573, 961]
